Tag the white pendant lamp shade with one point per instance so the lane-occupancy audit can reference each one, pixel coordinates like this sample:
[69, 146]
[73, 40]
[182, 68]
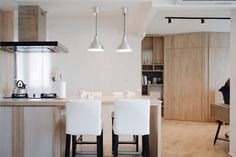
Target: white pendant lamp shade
[124, 46]
[96, 45]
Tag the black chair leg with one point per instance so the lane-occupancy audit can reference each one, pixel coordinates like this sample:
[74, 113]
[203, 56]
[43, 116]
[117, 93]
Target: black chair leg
[100, 145]
[73, 145]
[217, 132]
[112, 141]
[147, 149]
[67, 149]
[116, 145]
[143, 147]
[136, 138]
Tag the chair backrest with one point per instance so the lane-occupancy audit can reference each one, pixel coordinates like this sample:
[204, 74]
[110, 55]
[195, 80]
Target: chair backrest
[83, 117]
[89, 95]
[132, 117]
[124, 94]
[118, 94]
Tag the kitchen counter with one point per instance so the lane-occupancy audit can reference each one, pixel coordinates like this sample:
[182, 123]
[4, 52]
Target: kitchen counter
[32, 127]
[9, 102]
[36, 127]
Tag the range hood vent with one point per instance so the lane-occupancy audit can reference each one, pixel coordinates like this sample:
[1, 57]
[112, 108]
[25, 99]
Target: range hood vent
[32, 33]
[206, 2]
[33, 46]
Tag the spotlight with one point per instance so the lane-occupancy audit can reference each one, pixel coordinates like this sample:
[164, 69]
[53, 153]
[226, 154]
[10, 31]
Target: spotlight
[202, 21]
[169, 20]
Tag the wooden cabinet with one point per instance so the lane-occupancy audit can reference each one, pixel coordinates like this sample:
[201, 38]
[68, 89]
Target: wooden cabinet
[32, 23]
[6, 25]
[152, 65]
[192, 67]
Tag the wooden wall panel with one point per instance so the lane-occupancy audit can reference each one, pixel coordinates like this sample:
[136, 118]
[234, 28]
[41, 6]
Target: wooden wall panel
[158, 49]
[191, 40]
[184, 86]
[167, 84]
[187, 84]
[147, 43]
[196, 65]
[6, 25]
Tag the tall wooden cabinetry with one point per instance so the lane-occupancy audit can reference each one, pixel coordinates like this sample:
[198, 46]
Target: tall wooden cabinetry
[152, 65]
[6, 26]
[193, 63]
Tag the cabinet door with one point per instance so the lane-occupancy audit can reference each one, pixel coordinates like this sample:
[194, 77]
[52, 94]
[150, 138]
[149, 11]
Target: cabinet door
[6, 26]
[187, 84]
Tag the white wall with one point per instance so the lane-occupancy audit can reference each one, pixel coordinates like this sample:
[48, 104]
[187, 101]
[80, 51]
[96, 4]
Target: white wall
[233, 86]
[100, 71]
[6, 73]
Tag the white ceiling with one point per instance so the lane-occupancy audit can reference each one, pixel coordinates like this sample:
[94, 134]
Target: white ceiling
[159, 24]
[79, 7]
[143, 15]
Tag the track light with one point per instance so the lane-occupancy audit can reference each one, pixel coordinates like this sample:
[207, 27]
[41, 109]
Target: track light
[202, 21]
[196, 18]
[169, 20]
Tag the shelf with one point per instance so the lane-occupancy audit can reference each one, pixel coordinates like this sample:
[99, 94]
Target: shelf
[152, 64]
[152, 85]
[152, 70]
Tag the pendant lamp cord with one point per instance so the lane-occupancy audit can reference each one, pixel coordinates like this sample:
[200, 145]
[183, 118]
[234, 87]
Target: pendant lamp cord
[96, 23]
[124, 24]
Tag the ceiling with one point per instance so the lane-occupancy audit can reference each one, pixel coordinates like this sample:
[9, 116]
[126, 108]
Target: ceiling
[159, 25]
[143, 16]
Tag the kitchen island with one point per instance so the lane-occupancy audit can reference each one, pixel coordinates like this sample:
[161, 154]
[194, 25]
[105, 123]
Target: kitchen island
[32, 127]
[36, 127]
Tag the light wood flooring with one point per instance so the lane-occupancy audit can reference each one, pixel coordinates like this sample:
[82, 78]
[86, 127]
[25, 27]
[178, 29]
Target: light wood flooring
[192, 139]
[184, 139]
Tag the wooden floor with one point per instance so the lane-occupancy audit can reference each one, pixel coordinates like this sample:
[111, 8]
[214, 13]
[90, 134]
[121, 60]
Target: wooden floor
[192, 139]
[185, 139]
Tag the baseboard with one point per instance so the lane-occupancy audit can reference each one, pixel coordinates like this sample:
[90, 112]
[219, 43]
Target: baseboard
[232, 155]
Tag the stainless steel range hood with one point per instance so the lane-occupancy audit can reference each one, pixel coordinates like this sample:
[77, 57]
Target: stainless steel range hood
[33, 46]
[32, 33]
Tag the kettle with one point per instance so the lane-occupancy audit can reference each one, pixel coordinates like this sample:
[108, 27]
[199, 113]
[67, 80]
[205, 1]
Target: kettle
[20, 88]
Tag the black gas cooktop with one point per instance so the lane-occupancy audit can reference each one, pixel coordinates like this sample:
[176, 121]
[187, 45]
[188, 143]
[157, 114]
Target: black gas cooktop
[42, 95]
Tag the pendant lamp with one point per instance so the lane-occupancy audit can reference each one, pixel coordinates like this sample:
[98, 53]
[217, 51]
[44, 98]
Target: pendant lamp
[96, 45]
[124, 46]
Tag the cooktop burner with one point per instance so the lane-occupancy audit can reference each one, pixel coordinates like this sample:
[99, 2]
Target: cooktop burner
[25, 95]
[48, 95]
[42, 95]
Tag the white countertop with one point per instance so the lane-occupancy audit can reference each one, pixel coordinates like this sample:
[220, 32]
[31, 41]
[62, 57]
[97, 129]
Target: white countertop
[106, 100]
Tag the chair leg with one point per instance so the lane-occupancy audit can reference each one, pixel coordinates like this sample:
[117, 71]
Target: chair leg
[116, 145]
[74, 145]
[136, 143]
[102, 144]
[217, 132]
[147, 149]
[67, 148]
[112, 140]
[143, 147]
[99, 145]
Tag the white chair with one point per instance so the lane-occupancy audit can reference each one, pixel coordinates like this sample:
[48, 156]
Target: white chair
[83, 117]
[132, 117]
[124, 94]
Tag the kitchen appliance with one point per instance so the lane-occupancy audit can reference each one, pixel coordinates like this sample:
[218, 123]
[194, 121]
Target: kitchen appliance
[32, 33]
[48, 95]
[20, 90]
